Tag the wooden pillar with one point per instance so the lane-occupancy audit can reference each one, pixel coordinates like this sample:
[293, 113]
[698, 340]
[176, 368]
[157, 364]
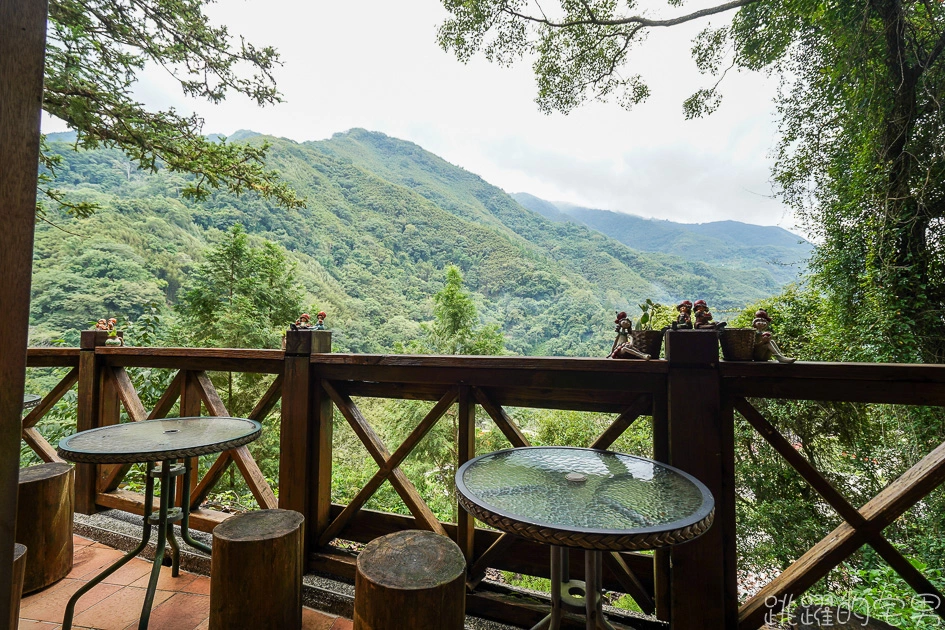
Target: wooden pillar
[305, 442]
[91, 407]
[190, 402]
[701, 572]
[466, 437]
[19, 570]
[22, 55]
[661, 572]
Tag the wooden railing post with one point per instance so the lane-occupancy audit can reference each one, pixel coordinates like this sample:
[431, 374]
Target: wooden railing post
[90, 408]
[466, 443]
[702, 571]
[305, 441]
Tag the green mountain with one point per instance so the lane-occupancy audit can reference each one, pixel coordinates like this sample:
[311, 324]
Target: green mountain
[383, 219]
[769, 250]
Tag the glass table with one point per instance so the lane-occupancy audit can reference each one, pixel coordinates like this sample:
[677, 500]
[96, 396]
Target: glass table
[583, 498]
[30, 401]
[158, 444]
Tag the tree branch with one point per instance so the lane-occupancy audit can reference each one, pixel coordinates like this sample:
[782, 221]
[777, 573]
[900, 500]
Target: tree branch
[637, 19]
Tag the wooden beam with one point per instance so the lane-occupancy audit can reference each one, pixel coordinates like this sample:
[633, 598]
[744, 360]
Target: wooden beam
[378, 450]
[502, 420]
[22, 53]
[128, 395]
[248, 467]
[168, 398]
[465, 451]
[879, 512]
[385, 471]
[50, 399]
[642, 405]
[40, 446]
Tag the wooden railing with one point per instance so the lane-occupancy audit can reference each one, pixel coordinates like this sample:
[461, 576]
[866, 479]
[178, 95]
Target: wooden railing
[692, 398]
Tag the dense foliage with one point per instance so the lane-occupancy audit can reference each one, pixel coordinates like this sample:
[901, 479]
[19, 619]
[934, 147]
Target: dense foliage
[94, 52]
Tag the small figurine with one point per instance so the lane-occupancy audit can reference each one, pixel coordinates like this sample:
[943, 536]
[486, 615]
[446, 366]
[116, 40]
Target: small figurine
[765, 347]
[304, 322]
[101, 325]
[684, 318]
[704, 317]
[111, 323]
[320, 324]
[623, 344]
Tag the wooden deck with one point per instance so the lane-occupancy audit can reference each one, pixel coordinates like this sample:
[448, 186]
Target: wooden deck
[181, 603]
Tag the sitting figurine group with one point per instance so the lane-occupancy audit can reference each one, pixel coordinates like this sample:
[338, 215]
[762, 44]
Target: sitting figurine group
[687, 311]
[106, 324]
[109, 325]
[304, 322]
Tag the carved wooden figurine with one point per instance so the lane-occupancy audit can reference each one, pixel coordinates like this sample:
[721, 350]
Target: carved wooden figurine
[765, 347]
[623, 344]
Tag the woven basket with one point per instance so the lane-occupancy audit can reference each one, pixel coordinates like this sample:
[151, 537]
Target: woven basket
[648, 341]
[737, 343]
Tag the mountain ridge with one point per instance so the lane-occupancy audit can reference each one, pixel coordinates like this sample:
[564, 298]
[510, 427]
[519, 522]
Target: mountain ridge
[384, 218]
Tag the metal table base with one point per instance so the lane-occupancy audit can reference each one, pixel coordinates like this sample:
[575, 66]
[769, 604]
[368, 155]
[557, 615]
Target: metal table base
[166, 472]
[576, 595]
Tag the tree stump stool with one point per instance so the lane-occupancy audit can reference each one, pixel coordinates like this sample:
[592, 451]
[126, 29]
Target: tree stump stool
[256, 572]
[44, 522]
[410, 579]
[19, 568]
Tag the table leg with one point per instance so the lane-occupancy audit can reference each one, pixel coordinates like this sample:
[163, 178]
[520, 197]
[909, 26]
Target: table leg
[594, 598]
[145, 537]
[559, 576]
[170, 487]
[185, 520]
[162, 525]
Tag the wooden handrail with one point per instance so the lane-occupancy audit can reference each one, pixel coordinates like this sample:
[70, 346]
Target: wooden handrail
[692, 398]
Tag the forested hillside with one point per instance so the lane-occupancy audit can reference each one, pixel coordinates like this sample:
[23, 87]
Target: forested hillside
[383, 219]
[774, 252]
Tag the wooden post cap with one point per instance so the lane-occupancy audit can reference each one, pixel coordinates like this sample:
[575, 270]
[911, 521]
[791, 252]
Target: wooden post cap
[410, 579]
[33, 474]
[261, 525]
[411, 559]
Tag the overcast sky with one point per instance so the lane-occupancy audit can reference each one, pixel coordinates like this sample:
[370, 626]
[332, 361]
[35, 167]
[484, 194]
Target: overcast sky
[375, 64]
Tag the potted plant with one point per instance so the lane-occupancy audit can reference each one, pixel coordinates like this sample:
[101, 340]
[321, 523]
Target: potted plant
[645, 339]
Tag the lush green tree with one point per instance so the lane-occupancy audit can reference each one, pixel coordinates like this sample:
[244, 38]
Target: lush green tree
[242, 296]
[456, 328]
[95, 50]
[862, 129]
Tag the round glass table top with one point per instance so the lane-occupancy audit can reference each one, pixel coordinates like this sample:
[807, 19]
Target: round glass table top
[155, 440]
[30, 400]
[584, 491]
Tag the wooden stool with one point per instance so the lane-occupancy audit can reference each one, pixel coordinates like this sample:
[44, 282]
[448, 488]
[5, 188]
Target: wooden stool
[19, 568]
[256, 571]
[410, 579]
[44, 522]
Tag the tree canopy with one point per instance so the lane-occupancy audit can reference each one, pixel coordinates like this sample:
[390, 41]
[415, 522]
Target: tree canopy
[860, 157]
[94, 52]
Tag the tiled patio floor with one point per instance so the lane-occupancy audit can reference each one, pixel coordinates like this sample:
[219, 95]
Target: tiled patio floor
[181, 603]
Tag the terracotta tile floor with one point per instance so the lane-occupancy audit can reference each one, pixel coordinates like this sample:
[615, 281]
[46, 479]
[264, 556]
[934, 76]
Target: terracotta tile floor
[181, 603]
